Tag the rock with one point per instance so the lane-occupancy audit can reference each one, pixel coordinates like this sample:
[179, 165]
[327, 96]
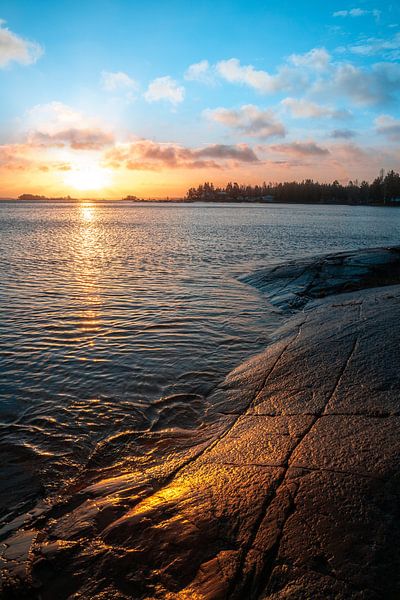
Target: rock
[292, 285]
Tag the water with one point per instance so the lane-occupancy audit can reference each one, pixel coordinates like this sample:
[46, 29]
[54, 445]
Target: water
[124, 317]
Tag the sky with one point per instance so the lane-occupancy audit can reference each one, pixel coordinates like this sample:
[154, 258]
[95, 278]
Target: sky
[108, 98]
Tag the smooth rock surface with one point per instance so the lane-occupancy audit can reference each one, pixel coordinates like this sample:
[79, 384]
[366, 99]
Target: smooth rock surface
[291, 491]
[292, 285]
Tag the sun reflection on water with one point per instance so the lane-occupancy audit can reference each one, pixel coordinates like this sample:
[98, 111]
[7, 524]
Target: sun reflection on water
[89, 248]
[87, 212]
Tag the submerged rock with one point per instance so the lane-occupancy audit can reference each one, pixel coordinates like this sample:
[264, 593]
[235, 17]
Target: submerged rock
[292, 489]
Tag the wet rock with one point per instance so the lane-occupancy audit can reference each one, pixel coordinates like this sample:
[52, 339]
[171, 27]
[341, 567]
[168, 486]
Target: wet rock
[292, 285]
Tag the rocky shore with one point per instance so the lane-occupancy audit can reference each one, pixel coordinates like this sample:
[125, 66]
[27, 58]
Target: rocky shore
[291, 490]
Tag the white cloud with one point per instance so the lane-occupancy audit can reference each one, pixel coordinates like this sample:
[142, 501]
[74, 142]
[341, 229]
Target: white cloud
[57, 124]
[54, 117]
[250, 120]
[304, 109]
[294, 74]
[14, 48]
[200, 71]
[316, 72]
[118, 80]
[389, 48]
[231, 70]
[388, 126]
[317, 59]
[165, 88]
[286, 79]
[357, 12]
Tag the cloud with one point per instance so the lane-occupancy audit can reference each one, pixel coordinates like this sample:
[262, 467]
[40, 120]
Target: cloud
[77, 139]
[14, 48]
[352, 153]
[373, 86]
[116, 81]
[14, 157]
[315, 73]
[231, 70]
[388, 126]
[389, 48]
[301, 149]
[345, 134]
[200, 71]
[57, 124]
[55, 116]
[357, 12]
[248, 119]
[304, 109]
[316, 59]
[293, 74]
[286, 78]
[165, 88]
[240, 152]
[149, 155]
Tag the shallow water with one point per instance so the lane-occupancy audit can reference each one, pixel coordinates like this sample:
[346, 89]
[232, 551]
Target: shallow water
[123, 317]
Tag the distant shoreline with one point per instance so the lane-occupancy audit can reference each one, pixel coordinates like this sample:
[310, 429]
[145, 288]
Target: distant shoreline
[191, 202]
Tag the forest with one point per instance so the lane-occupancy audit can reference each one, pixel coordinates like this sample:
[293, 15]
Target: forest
[383, 190]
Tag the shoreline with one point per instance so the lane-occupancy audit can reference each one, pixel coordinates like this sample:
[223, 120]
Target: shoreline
[182, 201]
[282, 493]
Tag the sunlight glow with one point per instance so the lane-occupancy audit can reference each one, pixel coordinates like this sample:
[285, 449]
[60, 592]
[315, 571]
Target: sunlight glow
[91, 177]
[87, 212]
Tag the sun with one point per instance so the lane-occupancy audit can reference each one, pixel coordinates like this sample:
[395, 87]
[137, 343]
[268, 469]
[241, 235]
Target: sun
[88, 178]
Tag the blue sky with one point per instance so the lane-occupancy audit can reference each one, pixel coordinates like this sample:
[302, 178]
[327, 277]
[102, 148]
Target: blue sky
[157, 95]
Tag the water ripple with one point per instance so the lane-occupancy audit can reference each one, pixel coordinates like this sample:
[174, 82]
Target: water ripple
[115, 319]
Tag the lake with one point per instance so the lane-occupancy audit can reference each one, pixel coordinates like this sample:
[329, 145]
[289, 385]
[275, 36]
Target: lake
[124, 316]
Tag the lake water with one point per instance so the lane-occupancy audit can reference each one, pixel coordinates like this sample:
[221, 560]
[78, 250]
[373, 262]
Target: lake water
[123, 317]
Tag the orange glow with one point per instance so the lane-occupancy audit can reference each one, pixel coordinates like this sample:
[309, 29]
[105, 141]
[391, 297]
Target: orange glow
[89, 177]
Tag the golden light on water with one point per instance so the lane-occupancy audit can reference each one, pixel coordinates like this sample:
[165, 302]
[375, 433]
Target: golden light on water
[87, 212]
[85, 273]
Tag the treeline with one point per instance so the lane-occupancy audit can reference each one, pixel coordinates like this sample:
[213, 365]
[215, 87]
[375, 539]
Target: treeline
[37, 198]
[385, 189]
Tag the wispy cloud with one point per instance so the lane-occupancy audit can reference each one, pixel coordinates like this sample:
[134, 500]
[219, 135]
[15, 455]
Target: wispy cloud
[232, 71]
[316, 59]
[14, 48]
[285, 79]
[357, 12]
[292, 74]
[117, 81]
[305, 109]
[201, 71]
[57, 124]
[344, 134]
[15, 157]
[388, 126]
[388, 48]
[249, 120]
[165, 88]
[301, 149]
[77, 139]
[374, 86]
